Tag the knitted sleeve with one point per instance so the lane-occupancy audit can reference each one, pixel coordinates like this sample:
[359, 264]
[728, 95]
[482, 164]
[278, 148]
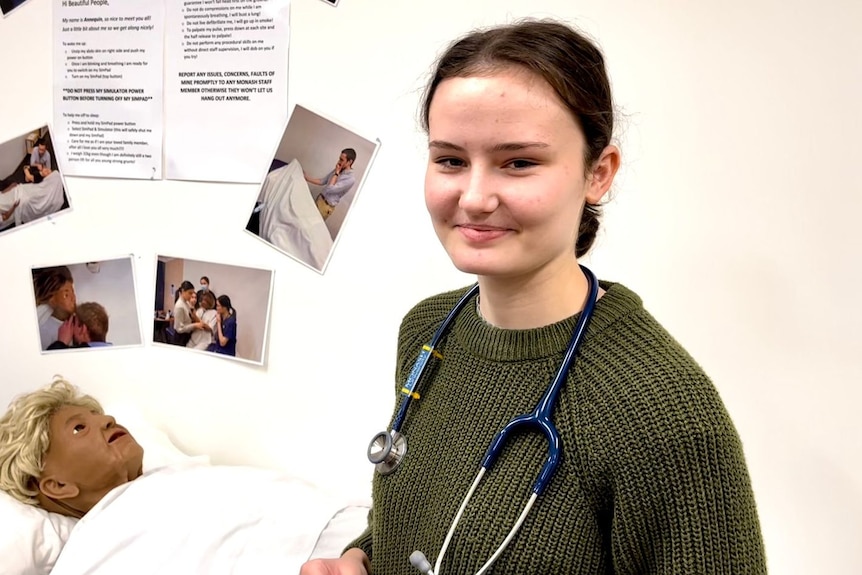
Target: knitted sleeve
[687, 506]
[365, 540]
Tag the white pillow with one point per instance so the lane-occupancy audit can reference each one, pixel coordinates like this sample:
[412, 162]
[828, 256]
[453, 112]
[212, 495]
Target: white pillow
[31, 538]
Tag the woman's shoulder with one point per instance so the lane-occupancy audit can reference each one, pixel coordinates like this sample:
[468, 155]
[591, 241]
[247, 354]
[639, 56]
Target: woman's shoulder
[646, 378]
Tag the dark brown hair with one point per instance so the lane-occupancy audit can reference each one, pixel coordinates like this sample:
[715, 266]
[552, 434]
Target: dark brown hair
[566, 59]
[48, 281]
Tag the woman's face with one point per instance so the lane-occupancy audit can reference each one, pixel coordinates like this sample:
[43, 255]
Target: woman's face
[220, 308]
[187, 295]
[63, 301]
[505, 183]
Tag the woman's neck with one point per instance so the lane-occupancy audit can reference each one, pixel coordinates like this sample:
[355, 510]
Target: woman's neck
[541, 299]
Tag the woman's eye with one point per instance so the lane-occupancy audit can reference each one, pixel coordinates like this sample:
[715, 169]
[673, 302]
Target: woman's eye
[79, 428]
[449, 162]
[521, 164]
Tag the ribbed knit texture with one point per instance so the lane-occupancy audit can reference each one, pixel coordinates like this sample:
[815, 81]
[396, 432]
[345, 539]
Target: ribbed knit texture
[652, 478]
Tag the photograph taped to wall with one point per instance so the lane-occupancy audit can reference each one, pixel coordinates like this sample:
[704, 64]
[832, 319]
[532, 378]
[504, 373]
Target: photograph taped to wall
[314, 178]
[211, 307]
[32, 188]
[87, 305]
[7, 6]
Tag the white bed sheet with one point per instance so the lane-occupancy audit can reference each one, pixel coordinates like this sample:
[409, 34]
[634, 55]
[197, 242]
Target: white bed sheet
[196, 518]
[36, 200]
[290, 220]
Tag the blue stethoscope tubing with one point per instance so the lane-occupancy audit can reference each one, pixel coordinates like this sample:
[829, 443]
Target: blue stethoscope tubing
[538, 420]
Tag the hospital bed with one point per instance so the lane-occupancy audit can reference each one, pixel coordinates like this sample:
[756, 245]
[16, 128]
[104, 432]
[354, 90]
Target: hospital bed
[183, 516]
[289, 219]
[35, 200]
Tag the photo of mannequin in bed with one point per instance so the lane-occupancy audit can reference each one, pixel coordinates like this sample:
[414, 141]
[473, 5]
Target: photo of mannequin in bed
[34, 188]
[59, 451]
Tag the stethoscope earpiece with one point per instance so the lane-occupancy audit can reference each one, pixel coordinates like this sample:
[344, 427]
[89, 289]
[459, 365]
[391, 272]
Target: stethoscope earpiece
[386, 451]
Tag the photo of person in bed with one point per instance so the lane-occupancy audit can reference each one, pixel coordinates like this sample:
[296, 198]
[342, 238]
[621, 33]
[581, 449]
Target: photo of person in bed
[335, 184]
[32, 188]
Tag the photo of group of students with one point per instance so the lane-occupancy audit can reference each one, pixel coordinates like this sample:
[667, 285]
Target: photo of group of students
[204, 317]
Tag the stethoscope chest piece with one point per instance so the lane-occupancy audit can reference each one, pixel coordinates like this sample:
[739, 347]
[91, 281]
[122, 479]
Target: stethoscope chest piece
[387, 450]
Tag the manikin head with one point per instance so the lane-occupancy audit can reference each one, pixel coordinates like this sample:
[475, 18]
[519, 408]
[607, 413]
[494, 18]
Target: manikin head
[59, 451]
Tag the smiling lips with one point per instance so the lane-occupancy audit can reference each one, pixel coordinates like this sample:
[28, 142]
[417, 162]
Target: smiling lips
[480, 234]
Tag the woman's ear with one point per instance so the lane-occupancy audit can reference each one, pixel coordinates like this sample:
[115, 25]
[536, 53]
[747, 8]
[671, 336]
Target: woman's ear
[602, 175]
[53, 488]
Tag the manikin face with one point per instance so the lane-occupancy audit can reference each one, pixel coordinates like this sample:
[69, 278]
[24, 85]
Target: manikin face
[505, 184]
[63, 301]
[89, 454]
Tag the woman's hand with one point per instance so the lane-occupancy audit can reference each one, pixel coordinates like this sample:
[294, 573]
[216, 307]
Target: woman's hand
[66, 331]
[353, 562]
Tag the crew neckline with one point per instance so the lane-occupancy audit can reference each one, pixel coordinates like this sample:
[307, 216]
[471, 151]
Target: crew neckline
[487, 341]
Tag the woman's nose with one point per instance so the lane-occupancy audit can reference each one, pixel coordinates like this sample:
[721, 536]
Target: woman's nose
[478, 194]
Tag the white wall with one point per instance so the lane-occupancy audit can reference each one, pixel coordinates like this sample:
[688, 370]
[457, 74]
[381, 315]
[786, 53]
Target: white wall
[11, 154]
[736, 217]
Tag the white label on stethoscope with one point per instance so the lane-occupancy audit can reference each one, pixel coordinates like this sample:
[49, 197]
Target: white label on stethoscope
[413, 378]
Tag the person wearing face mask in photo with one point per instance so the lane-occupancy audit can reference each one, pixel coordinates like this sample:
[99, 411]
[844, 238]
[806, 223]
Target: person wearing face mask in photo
[623, 460]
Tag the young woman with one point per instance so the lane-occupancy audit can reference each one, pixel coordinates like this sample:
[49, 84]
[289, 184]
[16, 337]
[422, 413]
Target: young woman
[650, 475]
[224, 340]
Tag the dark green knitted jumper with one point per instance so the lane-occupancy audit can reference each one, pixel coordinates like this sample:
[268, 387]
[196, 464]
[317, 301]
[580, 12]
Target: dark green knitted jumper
[652, 479]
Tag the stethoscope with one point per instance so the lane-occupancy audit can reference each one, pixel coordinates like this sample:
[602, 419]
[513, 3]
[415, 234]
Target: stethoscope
[387, 448]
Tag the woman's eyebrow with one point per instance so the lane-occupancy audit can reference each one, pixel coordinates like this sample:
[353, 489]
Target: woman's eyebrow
[502, 147]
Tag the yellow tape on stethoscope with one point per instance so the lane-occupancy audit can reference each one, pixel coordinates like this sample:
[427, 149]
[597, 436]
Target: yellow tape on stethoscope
[433, 352]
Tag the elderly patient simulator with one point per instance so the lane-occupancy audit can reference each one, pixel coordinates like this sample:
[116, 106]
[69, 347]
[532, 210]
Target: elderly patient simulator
[61, 452]
[58, 450]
